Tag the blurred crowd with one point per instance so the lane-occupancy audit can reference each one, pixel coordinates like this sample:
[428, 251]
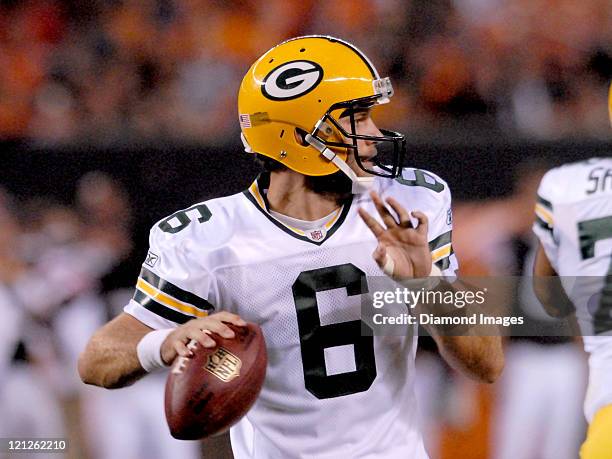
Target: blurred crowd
[61, 278]
[123, 71]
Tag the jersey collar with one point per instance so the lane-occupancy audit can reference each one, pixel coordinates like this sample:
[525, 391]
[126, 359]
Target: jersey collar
[257, 194]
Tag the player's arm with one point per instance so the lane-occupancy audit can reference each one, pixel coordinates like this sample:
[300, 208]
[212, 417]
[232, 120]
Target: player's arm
[403, 253]
[479, 357]
[546, 284]
[548, 288]
[171, 306]
[475, 351]
[111, 357]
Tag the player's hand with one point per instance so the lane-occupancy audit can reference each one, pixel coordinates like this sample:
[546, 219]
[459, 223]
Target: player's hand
[199, 330]
[402, 251]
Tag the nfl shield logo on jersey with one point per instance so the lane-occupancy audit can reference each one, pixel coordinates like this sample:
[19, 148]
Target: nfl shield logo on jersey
[316, 235]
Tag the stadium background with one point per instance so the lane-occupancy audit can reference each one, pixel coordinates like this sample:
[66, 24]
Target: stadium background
[114, 114]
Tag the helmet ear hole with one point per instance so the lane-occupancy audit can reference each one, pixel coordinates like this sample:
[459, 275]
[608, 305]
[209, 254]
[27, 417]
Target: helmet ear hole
[300, 136]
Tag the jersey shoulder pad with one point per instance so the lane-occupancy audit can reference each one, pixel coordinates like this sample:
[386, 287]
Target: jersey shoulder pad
[422, 186]
[206, 224]
[177, 282]
[551, 187]
[411, 176]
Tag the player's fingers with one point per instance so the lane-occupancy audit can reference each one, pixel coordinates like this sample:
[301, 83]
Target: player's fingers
[203, 337]
[215, 325]
[181, 349]
[206, 339]
[231, 318]
[371, 223]
[423, 222]
[384, 213]
[403, 214]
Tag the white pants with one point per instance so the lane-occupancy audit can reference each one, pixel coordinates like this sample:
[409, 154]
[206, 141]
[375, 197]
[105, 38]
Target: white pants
[539, 410]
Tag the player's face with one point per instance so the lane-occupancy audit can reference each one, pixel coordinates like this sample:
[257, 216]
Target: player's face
[364, 125]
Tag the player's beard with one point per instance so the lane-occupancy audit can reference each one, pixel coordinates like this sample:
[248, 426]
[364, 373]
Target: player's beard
[335, 186]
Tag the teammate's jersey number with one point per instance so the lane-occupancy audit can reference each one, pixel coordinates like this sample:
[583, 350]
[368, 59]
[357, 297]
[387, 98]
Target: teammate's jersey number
[315, 338]
[591, 231]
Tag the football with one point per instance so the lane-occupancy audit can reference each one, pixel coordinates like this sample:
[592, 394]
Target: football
[209, 392]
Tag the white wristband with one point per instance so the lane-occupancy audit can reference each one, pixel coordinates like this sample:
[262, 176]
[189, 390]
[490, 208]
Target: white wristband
[149, 349]
[426, 283]
[434, 277]
[389, 268]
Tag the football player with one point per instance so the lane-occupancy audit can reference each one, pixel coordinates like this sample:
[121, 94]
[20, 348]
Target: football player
[574, 226]
[292, 253]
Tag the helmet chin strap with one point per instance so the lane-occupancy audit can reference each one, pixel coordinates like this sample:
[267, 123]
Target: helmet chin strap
[360, 184]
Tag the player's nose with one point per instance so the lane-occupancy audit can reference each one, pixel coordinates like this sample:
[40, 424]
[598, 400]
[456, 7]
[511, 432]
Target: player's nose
[371, 129]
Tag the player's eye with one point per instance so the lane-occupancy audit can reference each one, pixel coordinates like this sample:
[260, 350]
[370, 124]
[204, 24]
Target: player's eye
[361, 117]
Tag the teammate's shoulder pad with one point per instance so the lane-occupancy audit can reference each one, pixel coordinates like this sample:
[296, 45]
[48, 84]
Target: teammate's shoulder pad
[554, 182]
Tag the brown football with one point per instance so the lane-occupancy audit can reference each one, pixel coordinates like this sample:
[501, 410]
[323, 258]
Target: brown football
[209, 392]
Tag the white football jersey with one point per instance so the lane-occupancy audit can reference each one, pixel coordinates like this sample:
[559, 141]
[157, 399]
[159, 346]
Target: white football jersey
[329, 392]
[574, 225]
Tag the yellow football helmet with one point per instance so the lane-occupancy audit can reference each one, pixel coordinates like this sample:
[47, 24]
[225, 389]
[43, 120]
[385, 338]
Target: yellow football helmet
[291, 98]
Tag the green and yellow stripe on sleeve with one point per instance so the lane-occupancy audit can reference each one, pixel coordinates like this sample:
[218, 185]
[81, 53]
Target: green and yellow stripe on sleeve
[544, 214]
[167, 300]
[441, 250]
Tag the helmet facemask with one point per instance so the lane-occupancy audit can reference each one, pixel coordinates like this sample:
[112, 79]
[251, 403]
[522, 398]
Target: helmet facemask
[390, 147]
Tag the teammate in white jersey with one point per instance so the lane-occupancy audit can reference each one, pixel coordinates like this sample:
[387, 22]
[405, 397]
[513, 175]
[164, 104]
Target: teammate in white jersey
[574, 225]
[293, 253]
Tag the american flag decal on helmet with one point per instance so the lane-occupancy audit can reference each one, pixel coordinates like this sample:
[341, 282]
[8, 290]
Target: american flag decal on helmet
[245, 121]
